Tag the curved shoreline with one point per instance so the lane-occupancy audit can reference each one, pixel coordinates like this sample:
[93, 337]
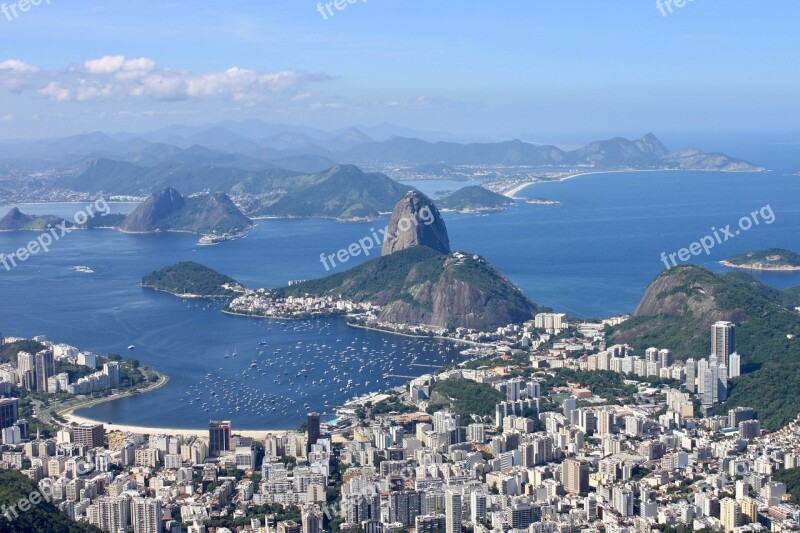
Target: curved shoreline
[66, 412]
[786, 268]
[69, 415]
[511, 193]
[184, 296]
[411, 335]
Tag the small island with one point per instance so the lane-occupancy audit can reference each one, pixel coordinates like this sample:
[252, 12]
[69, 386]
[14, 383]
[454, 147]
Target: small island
[542, 201]
[192, 280]
[474, 198]
[773, 259]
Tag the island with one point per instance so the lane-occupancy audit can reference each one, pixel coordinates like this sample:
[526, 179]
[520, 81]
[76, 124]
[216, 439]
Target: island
[418, 286]
[15, 220]
[542, 201]
[773, 259]
[474, 198]
[192, 280]
[211, 215]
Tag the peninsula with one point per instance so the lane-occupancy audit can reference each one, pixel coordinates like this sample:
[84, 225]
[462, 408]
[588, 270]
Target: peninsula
[192, 280]
[773, 259]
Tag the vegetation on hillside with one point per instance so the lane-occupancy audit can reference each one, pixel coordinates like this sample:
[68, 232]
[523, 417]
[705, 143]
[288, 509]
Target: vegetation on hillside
[679, 318]
[469, 399]
[771, 258]
[343, 192]
[791, 478]
[473, 198]
[8, 353]
[44, 516]
[191, 278]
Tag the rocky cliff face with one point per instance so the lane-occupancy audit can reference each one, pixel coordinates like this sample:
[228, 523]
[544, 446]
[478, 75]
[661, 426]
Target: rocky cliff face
[153, 211]
[416, 222]
[167, 210]
[468, 293]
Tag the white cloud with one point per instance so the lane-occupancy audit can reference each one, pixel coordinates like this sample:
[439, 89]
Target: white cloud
[116, 77]
[7, 118]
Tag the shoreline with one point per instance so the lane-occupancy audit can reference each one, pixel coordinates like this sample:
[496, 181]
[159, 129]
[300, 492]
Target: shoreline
[184, 296]
[69, 415]
[511, 193]
[787, 268]
[411, 335]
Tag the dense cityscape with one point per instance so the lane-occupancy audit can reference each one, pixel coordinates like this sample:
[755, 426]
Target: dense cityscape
[399, 266]
[528, 433]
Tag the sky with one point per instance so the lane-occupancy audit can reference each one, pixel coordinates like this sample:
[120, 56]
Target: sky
[546, 71]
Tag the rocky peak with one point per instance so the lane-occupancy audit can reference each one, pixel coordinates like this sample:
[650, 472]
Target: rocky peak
[416, 222]
[14, 214]
[157, 207]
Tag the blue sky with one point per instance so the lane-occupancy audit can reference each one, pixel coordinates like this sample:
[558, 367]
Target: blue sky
[556, 70]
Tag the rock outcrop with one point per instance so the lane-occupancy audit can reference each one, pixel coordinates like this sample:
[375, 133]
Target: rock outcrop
[167, 210]
[415, 221]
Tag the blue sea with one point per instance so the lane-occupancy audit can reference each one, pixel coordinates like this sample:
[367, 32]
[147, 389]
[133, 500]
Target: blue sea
[591, 256]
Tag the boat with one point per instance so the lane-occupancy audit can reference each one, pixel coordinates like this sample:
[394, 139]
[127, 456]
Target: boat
[132, 346]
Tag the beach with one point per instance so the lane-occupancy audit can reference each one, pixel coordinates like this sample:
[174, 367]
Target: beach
[140, 430]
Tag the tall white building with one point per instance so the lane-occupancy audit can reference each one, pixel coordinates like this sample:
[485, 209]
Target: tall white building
[312, 520]
[734, 365]
[110, 513]
[478, 507]
[453, 511]
[723, 340]
[146, 515]
[691, 375]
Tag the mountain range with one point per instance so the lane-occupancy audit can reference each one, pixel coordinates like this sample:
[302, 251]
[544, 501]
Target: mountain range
[255, 145]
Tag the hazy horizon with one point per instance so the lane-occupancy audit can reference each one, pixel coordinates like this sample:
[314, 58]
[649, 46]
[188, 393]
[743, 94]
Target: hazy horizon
[552, 73]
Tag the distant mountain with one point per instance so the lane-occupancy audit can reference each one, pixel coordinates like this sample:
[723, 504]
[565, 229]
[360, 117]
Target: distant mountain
[343, 192]
[474, 198]
[645, 153]
[350, 138]
[305, 164]
[190, 280]
[693, 159]
[418, 152]
[195, 155]
[15, 220]
[418, 285]
[120, 177]
[677, 312]
[167, 210]
[415, 221]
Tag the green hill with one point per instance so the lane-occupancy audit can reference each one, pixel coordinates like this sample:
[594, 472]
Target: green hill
[15, 220]
[678, 309]
[120, 177]
[8, 353]
[421, 286]
[190, 279]
[771, 259]
[474, 198]
[343, 192]
[167, 210]
[44, 516]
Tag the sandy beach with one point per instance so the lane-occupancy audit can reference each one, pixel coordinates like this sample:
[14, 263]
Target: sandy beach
[255, 433]
[511, 193]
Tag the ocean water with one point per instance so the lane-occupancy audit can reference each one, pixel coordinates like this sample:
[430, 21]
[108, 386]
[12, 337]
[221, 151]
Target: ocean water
[590, 256]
